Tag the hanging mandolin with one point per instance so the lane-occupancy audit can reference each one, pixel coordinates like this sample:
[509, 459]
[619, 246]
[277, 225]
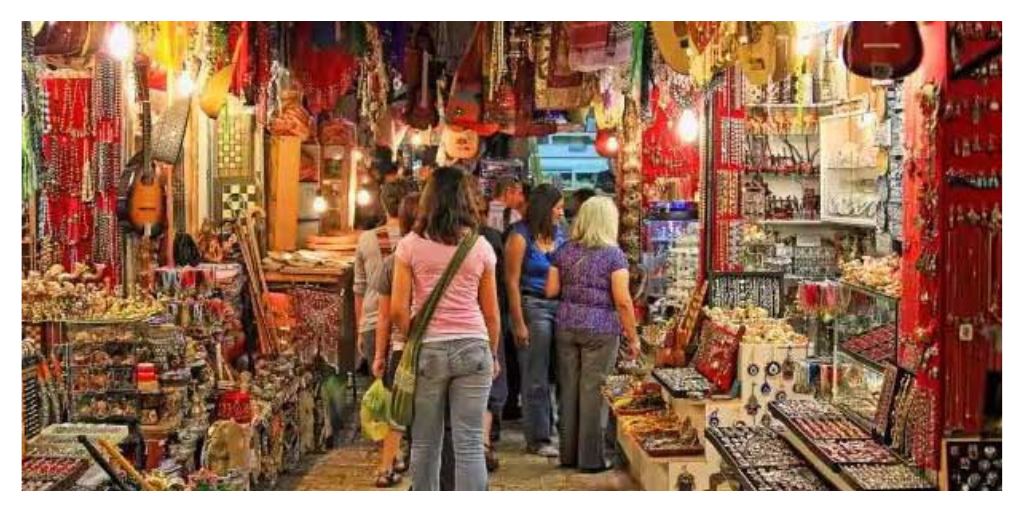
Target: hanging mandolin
[145, 196]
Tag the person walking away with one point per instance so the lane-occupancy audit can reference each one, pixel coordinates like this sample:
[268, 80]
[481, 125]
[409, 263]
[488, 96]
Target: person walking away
[457, 359]
[527, 251]
[499, 388]
[388, 349]
[371, 248]
[508, 205]
[592, 275]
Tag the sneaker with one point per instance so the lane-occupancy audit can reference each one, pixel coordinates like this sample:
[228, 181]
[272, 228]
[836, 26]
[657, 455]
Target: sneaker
[544, 450]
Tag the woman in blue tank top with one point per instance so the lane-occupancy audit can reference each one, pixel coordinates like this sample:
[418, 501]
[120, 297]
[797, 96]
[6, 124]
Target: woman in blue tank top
[530, 245]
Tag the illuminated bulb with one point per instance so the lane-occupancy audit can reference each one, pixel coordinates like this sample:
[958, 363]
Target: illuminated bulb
[184, 85]
[687, 126]
[356, 155]
[417, 139]
[120, 42]
[319, 204]
[363, 197]
[803, 46]
[613, 144]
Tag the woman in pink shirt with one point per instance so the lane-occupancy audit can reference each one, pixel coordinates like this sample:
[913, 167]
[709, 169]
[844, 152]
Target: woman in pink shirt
[457, 361]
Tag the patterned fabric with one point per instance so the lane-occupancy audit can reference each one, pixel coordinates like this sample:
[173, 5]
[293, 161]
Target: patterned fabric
[319, 320]
[587, 302]
[595, 45]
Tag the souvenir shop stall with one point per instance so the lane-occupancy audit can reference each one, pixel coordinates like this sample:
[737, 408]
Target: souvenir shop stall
[186, 292]
[819, 328]
[810, 211]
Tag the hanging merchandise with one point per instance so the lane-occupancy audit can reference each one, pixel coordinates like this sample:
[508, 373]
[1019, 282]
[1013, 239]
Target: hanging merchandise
[466, 100]
[596, 45]
[69, 38]
[883, 50]
[325, 73]
[420, 77]
[215, 94]
[523, 75]
[558, 87]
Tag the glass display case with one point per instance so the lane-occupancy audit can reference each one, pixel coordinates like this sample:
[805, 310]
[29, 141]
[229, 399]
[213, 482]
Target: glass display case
[850, 169]
[671, 251]
[865, 333]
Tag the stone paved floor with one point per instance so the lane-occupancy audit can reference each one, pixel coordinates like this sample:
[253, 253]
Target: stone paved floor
[352, 468]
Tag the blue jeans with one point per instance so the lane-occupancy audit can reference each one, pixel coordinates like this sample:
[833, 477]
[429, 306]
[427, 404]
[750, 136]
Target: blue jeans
[535, 365]
[455, 373]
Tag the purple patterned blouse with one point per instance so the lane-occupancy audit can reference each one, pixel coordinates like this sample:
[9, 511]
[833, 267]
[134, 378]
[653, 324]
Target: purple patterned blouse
[585, 275]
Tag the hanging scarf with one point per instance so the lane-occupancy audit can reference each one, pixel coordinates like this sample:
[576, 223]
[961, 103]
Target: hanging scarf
[558, 87]
[324, 74]
[596, 45]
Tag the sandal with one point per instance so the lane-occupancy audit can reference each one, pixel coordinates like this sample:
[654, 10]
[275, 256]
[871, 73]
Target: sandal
[387, 479]
[490, 458]
[400, 465]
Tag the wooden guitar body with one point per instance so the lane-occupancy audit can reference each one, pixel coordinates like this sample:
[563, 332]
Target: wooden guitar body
[146, 206]
[883, 50]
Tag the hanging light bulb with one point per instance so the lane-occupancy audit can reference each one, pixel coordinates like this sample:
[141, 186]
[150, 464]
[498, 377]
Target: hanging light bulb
[319, 204]
[356, 155]
[687, 126]
[120, 42]
[417, 139]
[363, 197]
[184, 86]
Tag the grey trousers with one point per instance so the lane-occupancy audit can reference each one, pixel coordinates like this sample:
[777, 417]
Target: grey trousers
[457, 375]
[584, 361]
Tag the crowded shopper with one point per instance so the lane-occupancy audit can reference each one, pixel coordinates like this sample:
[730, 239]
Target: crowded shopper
[508, 205]
[371, 249]
[388, 349]
[530, 245]
[591, 275]
[499, 388]
[457, 360]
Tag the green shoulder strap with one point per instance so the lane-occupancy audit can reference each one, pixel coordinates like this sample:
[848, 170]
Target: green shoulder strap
[422, 320]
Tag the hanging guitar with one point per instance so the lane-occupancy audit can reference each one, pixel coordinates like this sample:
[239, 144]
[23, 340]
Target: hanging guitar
[145, 196]
[883, 50]
[421, 111]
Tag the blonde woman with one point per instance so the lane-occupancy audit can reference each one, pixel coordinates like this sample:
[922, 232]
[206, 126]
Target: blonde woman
[591, 274]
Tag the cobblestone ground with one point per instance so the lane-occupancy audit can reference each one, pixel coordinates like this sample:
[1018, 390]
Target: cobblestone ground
[353, 468]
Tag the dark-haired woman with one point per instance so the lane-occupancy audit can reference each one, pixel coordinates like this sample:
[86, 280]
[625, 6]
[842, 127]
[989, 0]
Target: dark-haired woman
[456, 361]
[530, 244]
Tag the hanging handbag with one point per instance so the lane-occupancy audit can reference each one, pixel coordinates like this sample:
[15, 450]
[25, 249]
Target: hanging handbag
[403, 390]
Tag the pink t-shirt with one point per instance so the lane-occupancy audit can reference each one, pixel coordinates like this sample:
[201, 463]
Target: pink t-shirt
[458, 313]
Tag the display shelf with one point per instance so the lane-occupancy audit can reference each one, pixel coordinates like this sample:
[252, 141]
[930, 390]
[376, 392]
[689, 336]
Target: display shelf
[857, 486]
[829, 104]
[869, 291]
[874, 365]
[654, 473]
[727, 457]
[849, 221]
[743, 477]
[793, 222]
[818, 464]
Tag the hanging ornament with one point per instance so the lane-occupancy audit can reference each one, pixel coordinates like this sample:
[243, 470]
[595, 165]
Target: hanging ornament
[607, 143]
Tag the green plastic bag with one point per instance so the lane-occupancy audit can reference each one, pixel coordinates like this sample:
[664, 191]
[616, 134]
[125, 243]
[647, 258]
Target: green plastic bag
[373, 411]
